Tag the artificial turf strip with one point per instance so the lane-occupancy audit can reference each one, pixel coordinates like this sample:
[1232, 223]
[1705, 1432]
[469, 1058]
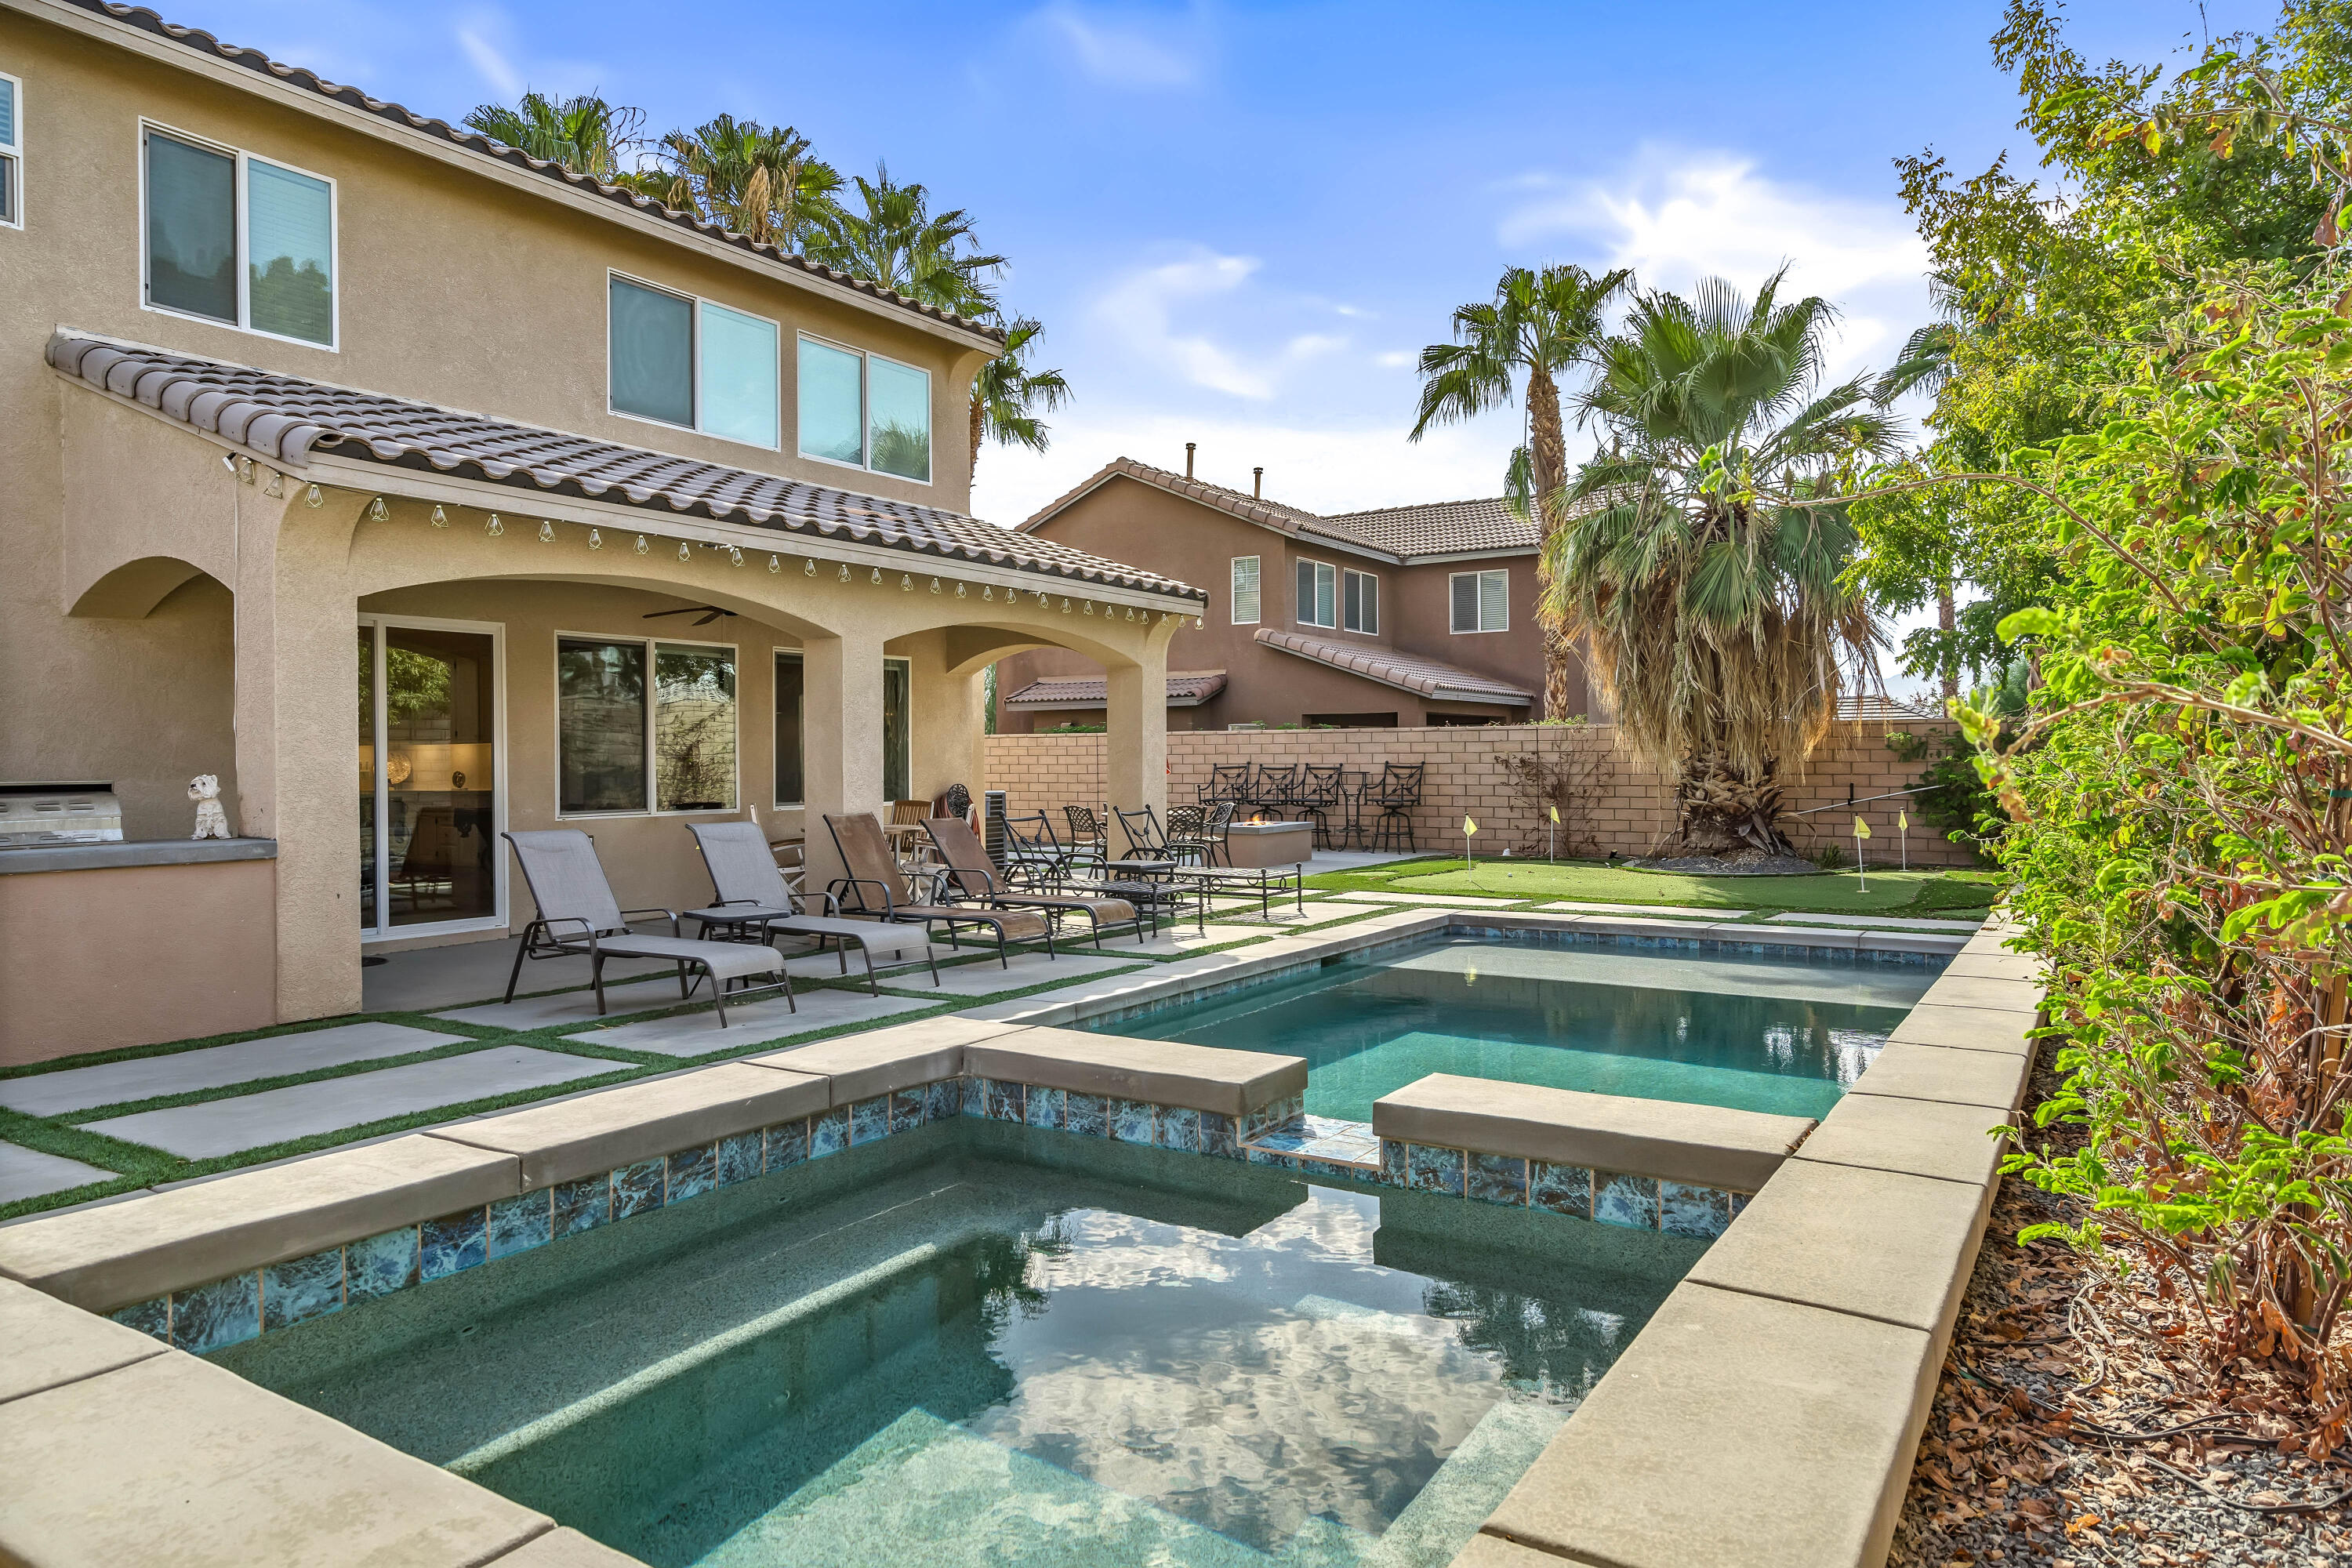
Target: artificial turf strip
[1886, 892]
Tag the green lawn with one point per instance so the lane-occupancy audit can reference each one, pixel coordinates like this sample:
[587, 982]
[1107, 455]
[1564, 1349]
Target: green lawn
[1911, 893]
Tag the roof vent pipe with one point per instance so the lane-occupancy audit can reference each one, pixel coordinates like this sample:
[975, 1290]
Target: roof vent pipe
[1189, 448]
[1258, 483]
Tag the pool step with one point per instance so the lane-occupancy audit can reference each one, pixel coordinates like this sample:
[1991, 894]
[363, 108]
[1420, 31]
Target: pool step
[1304, 1142]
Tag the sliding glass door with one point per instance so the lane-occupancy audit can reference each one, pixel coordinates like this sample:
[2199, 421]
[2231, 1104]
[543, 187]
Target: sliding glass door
[432, 787]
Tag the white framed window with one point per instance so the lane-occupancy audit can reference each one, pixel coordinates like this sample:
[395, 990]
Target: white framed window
[243, 241]
[1482, 600]
[676, 359]
[1360, 602]
[642, 725]
[1245, 590]
[865, 411]
[897, 731]
[12, 152]
[1318, 594]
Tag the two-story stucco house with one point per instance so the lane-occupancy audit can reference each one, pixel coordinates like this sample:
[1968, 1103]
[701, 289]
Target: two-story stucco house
[1402, 617]
[419, 491]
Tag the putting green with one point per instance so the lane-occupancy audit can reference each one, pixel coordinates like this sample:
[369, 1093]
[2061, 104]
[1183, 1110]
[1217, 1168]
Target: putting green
[1831, 892]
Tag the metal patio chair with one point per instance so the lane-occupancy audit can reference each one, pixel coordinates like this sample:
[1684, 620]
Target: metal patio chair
[1318, 797]
[875, 888]
[1274, 789]
[755, 902]
[971, 875]
[1225, 784]
[1397, 796]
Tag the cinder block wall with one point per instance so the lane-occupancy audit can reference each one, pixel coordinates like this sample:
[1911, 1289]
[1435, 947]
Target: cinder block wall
[1628, 808]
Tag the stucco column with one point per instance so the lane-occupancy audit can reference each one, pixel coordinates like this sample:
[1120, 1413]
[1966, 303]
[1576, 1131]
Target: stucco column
[297, 738]
[841, 729]
[1135, 771]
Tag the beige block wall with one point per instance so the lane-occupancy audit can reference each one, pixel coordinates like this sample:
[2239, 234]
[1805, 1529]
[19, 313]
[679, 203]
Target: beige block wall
[1629, 810]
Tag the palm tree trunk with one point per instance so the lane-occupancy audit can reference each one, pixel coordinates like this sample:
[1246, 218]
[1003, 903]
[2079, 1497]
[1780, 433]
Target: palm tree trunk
[1548, 457]
[1947, 622]
[978, 425]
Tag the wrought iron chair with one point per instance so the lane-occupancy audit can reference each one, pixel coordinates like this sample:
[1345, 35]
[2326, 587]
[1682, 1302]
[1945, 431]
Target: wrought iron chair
[1187, 838]
[1276, 788]
[1034, 855]
[1212, 831]
[1318, 794]
[1226, 784]
[1398, 795]
[1146, 840]
[1088, 832]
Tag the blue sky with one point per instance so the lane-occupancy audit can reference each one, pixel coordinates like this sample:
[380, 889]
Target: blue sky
[1239, 222]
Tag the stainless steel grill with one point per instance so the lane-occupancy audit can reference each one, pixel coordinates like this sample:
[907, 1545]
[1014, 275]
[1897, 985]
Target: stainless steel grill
[39, 815]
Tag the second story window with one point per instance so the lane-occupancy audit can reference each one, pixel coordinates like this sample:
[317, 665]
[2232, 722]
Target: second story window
[1482, 600]
[1319, 594]
[11, 152]
[866, 411]
[1360, 602]
[1245, 591]
[692, 362]
[238, 239]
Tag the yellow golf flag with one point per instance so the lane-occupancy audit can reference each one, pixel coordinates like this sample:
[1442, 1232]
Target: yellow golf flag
[1555, 813]
[1469, 823]
[1861, 828]
[1903, 822]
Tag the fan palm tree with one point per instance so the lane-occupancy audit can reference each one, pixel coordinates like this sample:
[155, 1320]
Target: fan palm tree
[1007, 395]
[1540, 325]
[892, 237]
[1697, 560]
[759, 181]
[584, 133]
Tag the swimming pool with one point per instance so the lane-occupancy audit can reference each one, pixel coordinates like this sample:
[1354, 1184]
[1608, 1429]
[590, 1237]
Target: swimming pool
[1777, 1029]
[981, 1343]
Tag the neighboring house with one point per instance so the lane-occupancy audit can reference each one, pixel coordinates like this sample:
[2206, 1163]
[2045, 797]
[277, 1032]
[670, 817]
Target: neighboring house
[1406, 615]
[420, 491]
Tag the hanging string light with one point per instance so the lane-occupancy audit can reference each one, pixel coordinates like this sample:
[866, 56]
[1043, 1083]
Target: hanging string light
[844, 572]
[734, 555]
[774, 565]
[596, 540]
[546, 531]
[313, 498]
[959, 590]
[935, 586]
[988, 591]
[495, 526]
[277, 485]
[440, 518]
[877, 576]
[377, 511]
[808, 568]
[641, 544]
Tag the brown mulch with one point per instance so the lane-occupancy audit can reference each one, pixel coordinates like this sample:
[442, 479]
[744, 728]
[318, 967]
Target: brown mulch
[2073, 1426]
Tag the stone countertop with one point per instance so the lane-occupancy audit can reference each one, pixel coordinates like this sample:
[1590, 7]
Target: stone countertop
[136, 852]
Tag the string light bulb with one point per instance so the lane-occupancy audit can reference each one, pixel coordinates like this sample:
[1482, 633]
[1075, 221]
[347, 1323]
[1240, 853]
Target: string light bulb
[376, 511]
[808, 568]
[440, 518]
[959, 590]
[988, 591]
[734, 555]
[774, 565]
[313, 498]
[495, 526]
[546, 531]
[275, 488]
[596, 540]
[685, 551]
[876, 578]
[844, 572]
[642, 546]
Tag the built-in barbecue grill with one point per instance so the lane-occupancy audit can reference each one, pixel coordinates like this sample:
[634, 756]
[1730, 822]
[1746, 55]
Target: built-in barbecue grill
[41, 815]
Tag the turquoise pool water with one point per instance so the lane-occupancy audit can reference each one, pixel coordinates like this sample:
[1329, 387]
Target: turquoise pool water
[1783, 1031]
[977, 1343]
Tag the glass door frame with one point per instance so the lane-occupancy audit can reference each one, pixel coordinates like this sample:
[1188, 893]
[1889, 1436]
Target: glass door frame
[379, 929]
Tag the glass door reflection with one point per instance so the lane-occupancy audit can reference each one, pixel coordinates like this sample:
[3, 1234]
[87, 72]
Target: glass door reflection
[431, 815]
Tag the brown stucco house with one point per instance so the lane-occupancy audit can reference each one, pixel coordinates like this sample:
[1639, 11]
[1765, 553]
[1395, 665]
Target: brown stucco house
[1403, 616]
[419, 490]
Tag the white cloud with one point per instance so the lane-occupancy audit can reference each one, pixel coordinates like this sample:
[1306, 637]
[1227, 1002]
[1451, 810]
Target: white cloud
[1123, 49]
[504, 79]
[1676, 220]
[1141, 310]
[1395, 359]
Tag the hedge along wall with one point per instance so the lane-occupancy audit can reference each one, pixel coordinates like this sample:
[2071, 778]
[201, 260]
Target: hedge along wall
[1626, 808]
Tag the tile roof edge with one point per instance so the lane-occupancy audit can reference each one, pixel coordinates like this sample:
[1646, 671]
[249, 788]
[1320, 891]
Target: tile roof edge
[1368, 664]
[1289, 520]
[197, 41]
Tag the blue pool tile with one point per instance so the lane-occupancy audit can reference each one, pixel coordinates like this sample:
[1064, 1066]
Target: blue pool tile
[1178, 1128]
[380, 1264]
[976, 1095]
[1130, 1121]
[454, 1243]
[829, 1133]
[583, 1205]
[910, 1108]
[1498, 1179]
[869, 1119]
[692, 1173]
[1740, 1202]
[1216, 1135]
[1005, 1101]
[1429, 1169]
[1044, 1107]
[739, 1158]
[519, 1224]
[302, 1288]
[637, 1189]
[1563, 1189]
[1085, 1114]
[788, 1145]
[1625, 1200]
[1393, 1168]
[151, 1317]
[216, 1316]
[946, 1099]
[1258, 1154]
[1685, 1210]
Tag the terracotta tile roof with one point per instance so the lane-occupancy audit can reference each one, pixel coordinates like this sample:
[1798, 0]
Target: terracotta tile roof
[1186, 689]
[1398, 532]
[204, 43]
[287, 420]
[1405, 672]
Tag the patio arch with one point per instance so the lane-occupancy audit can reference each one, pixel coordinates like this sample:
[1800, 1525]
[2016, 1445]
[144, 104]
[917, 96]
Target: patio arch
[131, 590]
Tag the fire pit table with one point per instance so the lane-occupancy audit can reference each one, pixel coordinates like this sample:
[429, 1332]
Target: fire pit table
[1263, 858]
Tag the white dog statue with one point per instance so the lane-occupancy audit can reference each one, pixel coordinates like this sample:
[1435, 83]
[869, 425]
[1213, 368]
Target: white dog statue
[211, 821]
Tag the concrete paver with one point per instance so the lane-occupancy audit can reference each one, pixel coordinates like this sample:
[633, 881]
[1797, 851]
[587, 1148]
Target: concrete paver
[575, 1006]
[697, 1033]
[27, 1173]
[425, 978]
[1577, 906]
[1881, 923]
[216, 1067]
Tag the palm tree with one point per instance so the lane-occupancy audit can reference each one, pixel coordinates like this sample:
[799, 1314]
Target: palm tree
[1698, 560]
[1541, 325]
[1007, 395]
[899, 243]
[584, 134]
[757, 180]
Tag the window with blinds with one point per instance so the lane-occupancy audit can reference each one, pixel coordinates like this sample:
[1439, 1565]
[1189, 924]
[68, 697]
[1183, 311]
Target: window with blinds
[11, 153]
[1245, 591]
[1360, 602]
[692, 362]
[1319, 594]
[237, 239]
[1482, 600]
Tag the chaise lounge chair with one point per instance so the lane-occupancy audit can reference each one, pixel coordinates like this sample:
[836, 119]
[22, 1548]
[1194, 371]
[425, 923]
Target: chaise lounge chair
[578, 914]
[874, 885]
[976, 878]
[754, 903]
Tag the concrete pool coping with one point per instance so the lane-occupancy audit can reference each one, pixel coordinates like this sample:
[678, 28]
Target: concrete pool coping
[1795, 1372]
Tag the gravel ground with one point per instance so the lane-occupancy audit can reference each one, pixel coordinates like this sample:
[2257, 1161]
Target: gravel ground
[2023, 1461]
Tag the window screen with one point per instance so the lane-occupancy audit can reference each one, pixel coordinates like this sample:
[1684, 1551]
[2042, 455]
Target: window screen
[600, 723]
[191, 228]
[11, 165]
[1362, 608]
[1245, 590]
[1319, 594]
[1482, 600]
[651, 337]
[693, 728]
[738, 375]
[900, 410]
[289, 251]
[833, 406]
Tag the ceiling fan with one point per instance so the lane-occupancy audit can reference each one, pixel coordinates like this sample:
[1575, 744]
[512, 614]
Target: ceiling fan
[708, 612]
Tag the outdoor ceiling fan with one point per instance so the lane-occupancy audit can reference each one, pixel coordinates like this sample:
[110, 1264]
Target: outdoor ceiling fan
[708, 612]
